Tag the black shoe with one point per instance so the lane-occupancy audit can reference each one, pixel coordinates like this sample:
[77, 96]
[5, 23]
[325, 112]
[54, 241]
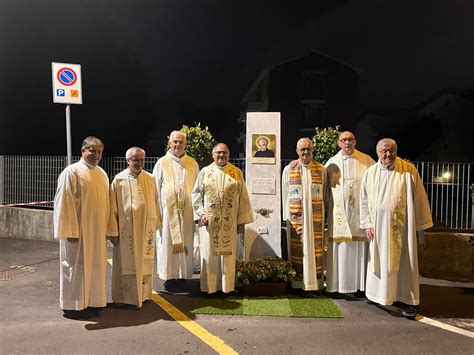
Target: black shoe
[95, 310]
[170, 285]
[78, 315]
[232, 293]
[359, 295]
[409, 312]
[176, 286]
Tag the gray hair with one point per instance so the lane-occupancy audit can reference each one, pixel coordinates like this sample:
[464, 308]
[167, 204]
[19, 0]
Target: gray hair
[386, 141]
[129, 152]
[91, 140]
[305, 139]
[177, 133]
[225, 145]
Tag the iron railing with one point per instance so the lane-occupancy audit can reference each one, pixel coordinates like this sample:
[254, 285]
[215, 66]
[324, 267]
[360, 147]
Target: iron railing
[32, 180]
[448, 188]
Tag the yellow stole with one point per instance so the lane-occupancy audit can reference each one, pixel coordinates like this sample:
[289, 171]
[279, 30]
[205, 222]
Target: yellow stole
[175, 204]
[222, 198]
[296, 216]
[341, 230]
[138, 220]
[397, 187]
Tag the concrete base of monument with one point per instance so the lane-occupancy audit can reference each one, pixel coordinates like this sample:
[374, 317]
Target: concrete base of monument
[447, 255]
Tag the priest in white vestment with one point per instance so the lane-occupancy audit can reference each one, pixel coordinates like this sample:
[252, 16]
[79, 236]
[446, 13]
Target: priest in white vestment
[175, 175]
[81, 215]
[134, 218]
[304, 191]
[347, 247]
[222, 207]
[393, 209]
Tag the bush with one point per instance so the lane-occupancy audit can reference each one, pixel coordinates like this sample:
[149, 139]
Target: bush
[325, 143]
[264, 269]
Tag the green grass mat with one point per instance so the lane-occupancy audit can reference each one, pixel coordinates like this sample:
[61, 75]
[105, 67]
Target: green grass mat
[299, 304]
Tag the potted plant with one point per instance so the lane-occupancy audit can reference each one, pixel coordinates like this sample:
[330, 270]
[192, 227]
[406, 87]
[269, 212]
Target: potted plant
[264, 276]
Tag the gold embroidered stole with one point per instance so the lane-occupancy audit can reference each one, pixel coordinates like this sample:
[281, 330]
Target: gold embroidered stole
[153, 216]
[222, 187]
[175, 205]
[138, 221]
[397, 188]
[296, 215]
[341, 230]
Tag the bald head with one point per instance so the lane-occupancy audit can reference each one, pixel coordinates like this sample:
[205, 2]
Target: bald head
[347, 143]
[220, 154]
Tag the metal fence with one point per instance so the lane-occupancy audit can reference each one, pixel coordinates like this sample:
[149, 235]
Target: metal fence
[448, 188]
[31, 180]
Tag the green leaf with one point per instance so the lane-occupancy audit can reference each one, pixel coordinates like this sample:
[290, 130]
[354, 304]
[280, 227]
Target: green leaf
[325, 143]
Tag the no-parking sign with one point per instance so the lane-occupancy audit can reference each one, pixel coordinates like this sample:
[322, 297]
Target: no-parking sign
[67, 85]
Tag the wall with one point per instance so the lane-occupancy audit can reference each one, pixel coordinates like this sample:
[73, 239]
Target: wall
[26, 223]
[447, 256]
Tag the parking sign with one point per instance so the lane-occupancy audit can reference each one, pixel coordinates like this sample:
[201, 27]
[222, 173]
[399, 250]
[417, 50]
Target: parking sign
[67, 84]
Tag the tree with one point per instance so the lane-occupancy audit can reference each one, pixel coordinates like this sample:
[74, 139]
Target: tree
[325, 143]
[199, 143]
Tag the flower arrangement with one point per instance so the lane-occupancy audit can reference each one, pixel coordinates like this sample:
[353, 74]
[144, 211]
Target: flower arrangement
[264, 270]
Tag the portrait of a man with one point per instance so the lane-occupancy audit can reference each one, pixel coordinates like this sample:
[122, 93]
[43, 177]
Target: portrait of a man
[262, 143]
[263, 148]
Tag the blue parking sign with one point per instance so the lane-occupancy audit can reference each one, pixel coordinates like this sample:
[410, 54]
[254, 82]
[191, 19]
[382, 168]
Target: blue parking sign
[61, 92]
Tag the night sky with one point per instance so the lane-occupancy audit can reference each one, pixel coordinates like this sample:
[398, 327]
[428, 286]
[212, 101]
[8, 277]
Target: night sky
[150, 66]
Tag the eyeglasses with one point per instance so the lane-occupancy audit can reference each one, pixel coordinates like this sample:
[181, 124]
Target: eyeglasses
[346, 140]
[384, 151]
[305, 149]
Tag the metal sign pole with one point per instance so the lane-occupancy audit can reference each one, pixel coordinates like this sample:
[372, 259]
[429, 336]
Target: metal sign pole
[67, 89]
[68, 134]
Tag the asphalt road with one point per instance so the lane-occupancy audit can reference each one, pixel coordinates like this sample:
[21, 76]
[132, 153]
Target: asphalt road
[31, 321]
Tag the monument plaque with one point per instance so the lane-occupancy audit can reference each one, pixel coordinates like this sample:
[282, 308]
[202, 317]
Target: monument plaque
[263, 186]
